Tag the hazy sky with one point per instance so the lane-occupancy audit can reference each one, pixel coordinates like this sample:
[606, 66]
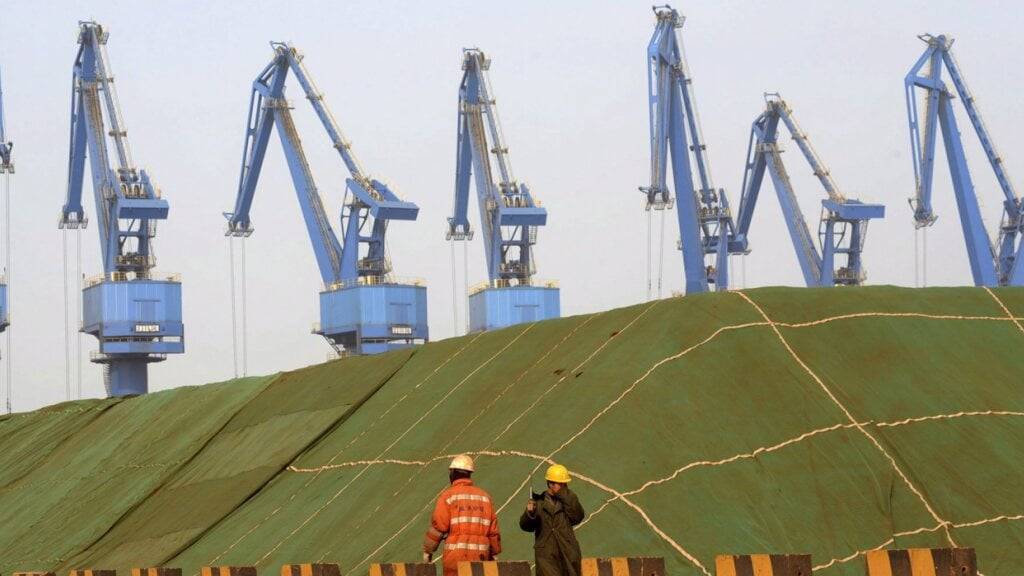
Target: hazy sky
[570, 79]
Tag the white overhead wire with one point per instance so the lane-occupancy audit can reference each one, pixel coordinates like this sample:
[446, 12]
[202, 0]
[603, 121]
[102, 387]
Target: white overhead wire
[245, 319]
[8, 384]
[661, 252]
[649, 248]
[465, 280]
[67, 324]
[455, 295]
[77, 335]
[234, 307]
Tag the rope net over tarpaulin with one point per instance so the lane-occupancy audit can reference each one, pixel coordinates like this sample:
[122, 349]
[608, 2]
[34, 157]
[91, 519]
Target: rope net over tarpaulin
[812, 421]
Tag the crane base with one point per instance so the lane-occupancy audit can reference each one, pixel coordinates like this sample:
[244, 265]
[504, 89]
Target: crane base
[371, 319]
[494, 308]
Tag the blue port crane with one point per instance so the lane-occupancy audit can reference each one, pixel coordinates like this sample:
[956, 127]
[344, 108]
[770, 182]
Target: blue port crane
[997, 265]
[6, 168]
[843, 225]
[363, 308]
[706, 226]
[509, 214]
[135, 316]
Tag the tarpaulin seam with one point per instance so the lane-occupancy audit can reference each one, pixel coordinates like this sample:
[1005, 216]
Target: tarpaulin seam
[580, 365]
[519, 379]
[552, 387]
[557, 382]
[340, 452]
[445, 447]
[1005, 309]
[100, 411]
[935, 528]
[173, 473]
[630, 389]
[848, 414]
[347, 413]
[406, 395]
[396, 441]
[464, 428]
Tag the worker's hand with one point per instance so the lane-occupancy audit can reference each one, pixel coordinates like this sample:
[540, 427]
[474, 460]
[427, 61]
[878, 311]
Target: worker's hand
[427, 557]
[531, 506]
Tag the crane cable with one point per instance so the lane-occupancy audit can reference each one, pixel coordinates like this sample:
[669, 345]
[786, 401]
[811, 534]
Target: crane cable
[455, 296]
[924, 257]
[8, 384]
[661, 252]
[245, 319]
[465, 280]
[234, 301]
[67, 324]
[78, 311]
[648, 252]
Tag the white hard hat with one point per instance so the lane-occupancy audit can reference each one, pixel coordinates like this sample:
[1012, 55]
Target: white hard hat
[462, 462]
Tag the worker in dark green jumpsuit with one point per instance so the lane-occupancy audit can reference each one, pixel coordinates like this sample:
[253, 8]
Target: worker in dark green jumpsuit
[551, 517]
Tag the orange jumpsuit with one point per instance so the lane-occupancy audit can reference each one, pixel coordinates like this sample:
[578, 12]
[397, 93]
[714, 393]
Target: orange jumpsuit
[463, 517]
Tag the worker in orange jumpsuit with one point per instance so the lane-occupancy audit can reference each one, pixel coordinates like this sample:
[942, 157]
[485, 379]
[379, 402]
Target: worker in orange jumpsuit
[464, 518]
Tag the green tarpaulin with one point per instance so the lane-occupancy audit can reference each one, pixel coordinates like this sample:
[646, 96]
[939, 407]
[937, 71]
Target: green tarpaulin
[828, 422]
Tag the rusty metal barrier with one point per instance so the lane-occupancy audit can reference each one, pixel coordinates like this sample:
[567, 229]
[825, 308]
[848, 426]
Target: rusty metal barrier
[922, 562]
[310, 570]
[494, 568]
[404, 569]
[624, 566]
[763, 565]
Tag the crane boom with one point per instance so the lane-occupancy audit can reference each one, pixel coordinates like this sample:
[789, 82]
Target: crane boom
[509, 214]
[991, 265]
[705, 220]
[843, 224]
[135, 317]
[363, 309]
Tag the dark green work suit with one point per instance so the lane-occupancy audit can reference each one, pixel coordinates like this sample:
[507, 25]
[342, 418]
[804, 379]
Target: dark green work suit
[556, 550]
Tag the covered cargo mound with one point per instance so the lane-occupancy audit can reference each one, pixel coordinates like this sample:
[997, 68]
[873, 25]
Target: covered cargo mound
[821, 421]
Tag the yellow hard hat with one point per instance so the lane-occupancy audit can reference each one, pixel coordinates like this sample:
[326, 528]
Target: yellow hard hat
[557, 473]
[462, 462]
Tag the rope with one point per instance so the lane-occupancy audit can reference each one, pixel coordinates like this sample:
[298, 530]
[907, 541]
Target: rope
[234, 306]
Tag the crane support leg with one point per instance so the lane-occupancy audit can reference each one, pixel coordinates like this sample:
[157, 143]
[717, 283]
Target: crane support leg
[979, 249]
